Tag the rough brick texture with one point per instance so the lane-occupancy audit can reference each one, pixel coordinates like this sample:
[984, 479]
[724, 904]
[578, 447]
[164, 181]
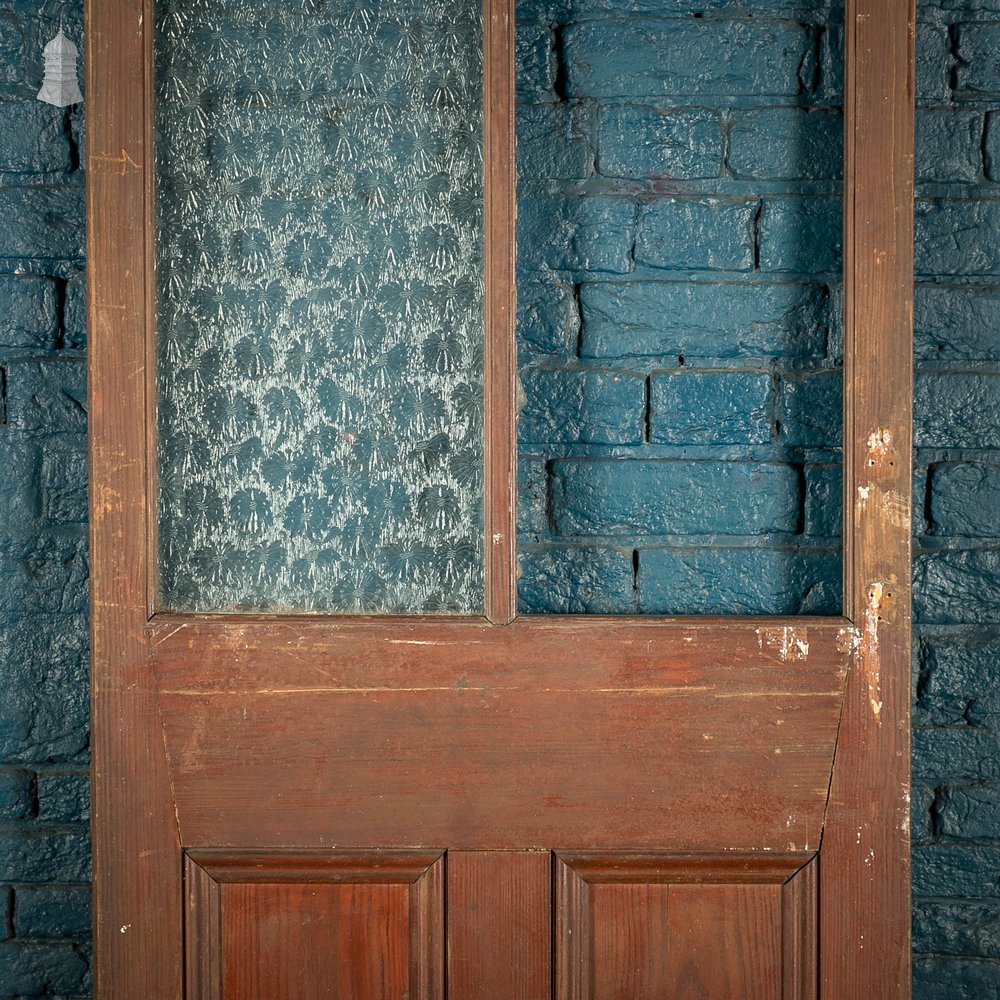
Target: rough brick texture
[956, 827]
[679, 320]
[44, 836]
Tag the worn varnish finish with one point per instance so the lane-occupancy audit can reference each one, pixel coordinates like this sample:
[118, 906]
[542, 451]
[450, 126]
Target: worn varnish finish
[319, 925]
[865, 888]
[504, 897]
[642, 927]
[653, 743]
[137, 860]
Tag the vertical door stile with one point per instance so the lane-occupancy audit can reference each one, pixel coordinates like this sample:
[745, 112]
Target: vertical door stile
[500, 355]
[138, 945]
[865, 860]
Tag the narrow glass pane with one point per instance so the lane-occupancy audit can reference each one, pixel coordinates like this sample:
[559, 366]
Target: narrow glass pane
[679, 289]
[320, 306]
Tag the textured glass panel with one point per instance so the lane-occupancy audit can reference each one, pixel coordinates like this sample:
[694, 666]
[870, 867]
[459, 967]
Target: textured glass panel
[320, 320]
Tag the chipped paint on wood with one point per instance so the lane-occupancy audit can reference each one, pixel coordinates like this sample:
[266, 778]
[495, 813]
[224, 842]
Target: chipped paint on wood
[789, 642]
[870, 649]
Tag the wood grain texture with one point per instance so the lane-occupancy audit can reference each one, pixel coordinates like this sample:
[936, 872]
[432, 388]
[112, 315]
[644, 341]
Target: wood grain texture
[137, 860]
[561, 743]
[800, 932]
[500, 359]
[865, 909]
[650, 926]
[499, 925]
[318, 924]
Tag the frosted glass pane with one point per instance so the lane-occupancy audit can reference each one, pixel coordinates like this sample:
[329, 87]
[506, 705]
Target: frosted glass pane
[320, 318]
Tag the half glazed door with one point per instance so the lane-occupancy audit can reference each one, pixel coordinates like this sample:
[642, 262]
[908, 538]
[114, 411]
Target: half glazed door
[311, 783]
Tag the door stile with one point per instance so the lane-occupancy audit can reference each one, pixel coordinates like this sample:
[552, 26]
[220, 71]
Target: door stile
[500, 358]
[137, 858]
[865, 860]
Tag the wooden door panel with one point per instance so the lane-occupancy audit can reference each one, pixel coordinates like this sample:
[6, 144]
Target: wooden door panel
[576, 744]
[688, 928]
[505, 898]
[350, 927]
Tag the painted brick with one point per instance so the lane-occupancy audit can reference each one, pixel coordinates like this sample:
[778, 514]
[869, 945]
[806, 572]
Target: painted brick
[564, 10]
[957, 238]
[591, 407]
[64, 487]
[577, 580]
[42, 222]
[949, 145]
[585, 234]
[786, 143]
[956, 928]
[532, 498]
[729, 407]
[810, 409]
[660, 144]
[970, 813]
[41, 969]
[955, 754]
[961, 682]
[673, 497]
[75, 312]
[703, 321]
[957, 411]
[705, 581]
[956, 323]
[955, 587]
[965, 499]
[536, 62]
[955, 979]
[632, 58]
[956, 870]
[991, 147]
[548, 317]
[47, 397]
[978, 43]
[63, 798]
[32, 138]
[824, 500]
[553, 141]
[11, 47]
[44, 711]
[52, 912]
[801, 235]
[44, 856]
[921, 821]
[712, 234]
[934, 63]
[46, 573]
[28, 318]
[15, 794]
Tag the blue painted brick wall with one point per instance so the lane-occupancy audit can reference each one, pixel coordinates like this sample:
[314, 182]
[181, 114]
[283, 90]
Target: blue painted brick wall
[629, 150]
[679, 256]
[44, 840]
[956, 802]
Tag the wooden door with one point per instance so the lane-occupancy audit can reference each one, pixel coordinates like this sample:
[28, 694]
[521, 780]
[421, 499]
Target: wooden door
[487, 805]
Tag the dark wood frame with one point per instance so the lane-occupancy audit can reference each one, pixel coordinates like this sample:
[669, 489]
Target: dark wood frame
[142, 658]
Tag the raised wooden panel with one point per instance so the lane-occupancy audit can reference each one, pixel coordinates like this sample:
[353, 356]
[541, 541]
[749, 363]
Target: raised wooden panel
[644, 927]
[503, 898]
[318, 925]
[580, 734]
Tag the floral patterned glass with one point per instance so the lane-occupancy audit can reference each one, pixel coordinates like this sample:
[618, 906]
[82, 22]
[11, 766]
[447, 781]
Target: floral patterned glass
[320, 305]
